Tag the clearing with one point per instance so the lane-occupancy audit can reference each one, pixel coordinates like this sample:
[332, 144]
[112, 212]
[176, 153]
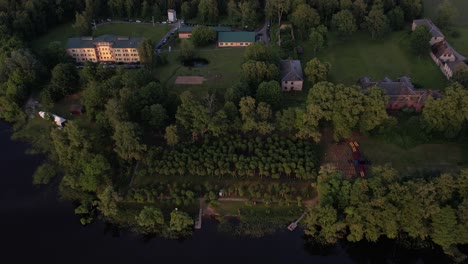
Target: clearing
[389, 57]
[445, 157]
[459, 43]
[155, 33]
[221, 72]
[431, 7]
[62, 32]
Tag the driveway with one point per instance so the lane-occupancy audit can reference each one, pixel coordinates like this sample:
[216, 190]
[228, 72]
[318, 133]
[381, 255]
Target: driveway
[265, 31]
[174, 28]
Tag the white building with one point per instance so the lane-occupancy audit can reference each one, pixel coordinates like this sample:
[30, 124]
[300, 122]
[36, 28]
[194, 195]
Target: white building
[59, 121]
[171, 15]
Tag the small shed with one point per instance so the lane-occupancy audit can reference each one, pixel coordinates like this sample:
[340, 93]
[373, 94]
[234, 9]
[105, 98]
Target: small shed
[76, 109]
[59, 121]
[171, 15]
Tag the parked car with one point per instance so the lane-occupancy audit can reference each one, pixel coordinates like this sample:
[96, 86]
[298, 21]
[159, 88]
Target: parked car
[109, 20]
[138, 21]
[164, 22]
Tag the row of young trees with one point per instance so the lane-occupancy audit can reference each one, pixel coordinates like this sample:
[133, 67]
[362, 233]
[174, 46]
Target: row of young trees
[431, 208]
[235, 156]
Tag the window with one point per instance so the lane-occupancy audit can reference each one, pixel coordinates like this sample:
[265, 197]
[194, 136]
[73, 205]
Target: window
[292, 83]
[73, 50]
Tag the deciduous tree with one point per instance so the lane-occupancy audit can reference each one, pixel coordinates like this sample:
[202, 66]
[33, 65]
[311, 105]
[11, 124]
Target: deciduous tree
[419, 40]
[202, 36]
[303, 18]
[270, 93]
[344, 23]
[128, 145]
[316, 71]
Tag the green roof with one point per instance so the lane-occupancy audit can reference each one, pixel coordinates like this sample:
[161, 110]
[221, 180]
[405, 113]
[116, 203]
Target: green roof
[217, 29]
[240, 36]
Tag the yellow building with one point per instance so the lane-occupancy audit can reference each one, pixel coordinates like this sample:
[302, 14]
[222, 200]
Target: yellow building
[106, 48]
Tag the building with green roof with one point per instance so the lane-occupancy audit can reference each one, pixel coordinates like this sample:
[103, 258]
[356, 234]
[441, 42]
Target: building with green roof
[235, 39]
[185, 32]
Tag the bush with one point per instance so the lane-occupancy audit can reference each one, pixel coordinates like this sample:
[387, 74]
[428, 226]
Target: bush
[44, 174]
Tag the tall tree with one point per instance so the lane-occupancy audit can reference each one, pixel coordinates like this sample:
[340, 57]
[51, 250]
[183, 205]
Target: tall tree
[208, 10]
[316, 71]
[377, 22]
[180, 221]
[150, 218]
[412, 8]
[171, 136]
[448, 114]
[234, 12]
[344, 23]
[317, 41]
[396, 18]
[128, 137]
[359, 10]
[303, 18]
[202, 36]
[82, 24]
[419, 40]
[248, 12]
[445, 14]
[146, 52]
[270, 93]
[254, 72]
[187, 50]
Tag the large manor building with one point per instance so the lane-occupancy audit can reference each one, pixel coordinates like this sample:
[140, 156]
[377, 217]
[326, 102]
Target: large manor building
[106, 48]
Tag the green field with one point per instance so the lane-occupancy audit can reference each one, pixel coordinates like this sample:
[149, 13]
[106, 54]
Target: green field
[156, 33]
[446, 157]
[60, 33]
[222, 71]
[460, 43]
[389, 57]
[63, 32]
[431, 7]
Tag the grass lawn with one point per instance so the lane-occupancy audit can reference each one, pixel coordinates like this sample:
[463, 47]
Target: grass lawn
[446, 157]
[460, 43]
[431, 7]
[390, 57]
[62, 32]
[222, 71]
[156, 33]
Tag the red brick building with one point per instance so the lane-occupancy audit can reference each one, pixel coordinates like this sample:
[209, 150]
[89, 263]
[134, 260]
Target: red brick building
[401, 93]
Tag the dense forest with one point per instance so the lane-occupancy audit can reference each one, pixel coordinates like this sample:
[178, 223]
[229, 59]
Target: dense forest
[243, 142]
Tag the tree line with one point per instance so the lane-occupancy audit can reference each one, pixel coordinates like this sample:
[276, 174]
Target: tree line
[425, 207]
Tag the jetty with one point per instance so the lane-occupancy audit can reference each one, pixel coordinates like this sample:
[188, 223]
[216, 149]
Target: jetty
[198, 222]
[293, 225]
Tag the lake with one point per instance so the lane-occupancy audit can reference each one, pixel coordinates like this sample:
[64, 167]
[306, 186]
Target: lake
[36, 227]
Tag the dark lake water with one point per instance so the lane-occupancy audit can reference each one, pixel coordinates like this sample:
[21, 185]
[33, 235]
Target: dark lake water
[35, 227]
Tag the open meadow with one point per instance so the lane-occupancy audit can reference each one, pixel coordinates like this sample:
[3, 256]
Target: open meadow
[62, 32]
[221, 72]
[390, 57]
[431, 7]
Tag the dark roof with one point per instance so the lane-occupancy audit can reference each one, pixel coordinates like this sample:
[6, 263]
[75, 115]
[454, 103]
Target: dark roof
[291, 70]
[217, 29]
[401, 90]
[240, 36]
[441, 48]
[117, 41]
[433, 29]
[456, 65]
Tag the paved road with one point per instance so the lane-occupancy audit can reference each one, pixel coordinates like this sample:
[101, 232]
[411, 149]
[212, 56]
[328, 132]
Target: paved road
[174, 28]
[265, 31]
